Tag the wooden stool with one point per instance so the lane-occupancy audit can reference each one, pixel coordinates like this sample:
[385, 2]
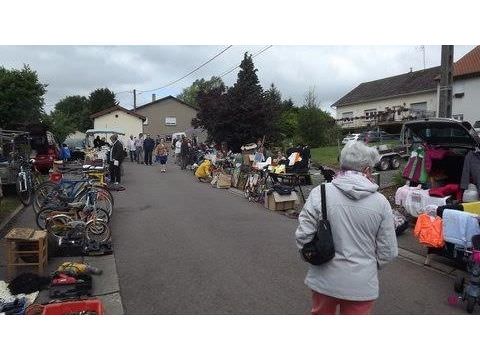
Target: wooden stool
[24, 241]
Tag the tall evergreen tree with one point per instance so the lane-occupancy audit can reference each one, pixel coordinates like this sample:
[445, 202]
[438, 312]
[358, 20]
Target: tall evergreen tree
[247, 118]
[101, 99]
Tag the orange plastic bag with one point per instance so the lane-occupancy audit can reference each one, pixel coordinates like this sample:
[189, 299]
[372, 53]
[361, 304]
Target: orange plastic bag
[429, 231]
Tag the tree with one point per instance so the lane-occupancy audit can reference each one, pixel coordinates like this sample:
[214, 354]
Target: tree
[101, 99]
[77, 110]
[21, 98]
[59, 124]
[189, 94]
[315, 126]
[212, 107]
[247, 117]
[273, 102]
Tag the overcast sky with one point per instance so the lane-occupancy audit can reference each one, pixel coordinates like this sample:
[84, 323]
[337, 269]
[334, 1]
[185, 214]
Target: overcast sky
[332, 70]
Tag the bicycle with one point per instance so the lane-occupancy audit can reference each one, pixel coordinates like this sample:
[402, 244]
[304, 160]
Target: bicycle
[258, 182]
[77, 211]
[28, 180]
[71, 191]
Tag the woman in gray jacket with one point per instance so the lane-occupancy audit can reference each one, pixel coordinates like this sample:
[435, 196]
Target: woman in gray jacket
[363, 233]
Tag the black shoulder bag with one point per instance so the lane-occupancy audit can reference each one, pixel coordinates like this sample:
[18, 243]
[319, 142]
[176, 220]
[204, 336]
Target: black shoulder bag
[321, 249]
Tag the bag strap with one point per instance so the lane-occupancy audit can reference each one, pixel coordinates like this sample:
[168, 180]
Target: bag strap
[324, 201]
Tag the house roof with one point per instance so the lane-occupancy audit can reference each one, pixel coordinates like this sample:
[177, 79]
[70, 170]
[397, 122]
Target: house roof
[468, 65]
[170, 97]
[117, 108]
[411, 82]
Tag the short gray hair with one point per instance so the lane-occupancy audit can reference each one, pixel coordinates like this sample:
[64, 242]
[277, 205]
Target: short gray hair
[358, 156]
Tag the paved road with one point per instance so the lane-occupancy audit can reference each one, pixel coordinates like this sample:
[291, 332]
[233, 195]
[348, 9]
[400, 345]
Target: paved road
[182, 247]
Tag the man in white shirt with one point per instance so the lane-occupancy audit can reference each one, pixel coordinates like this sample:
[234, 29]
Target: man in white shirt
[178, 149]
[131, 148]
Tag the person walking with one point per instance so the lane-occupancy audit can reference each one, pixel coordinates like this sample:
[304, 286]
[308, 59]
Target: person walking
[178, 147]
[161, 155]
[148, 146]
[363, 234]
[139, 148]
[184, 149]
[131, 148]
[115, 159]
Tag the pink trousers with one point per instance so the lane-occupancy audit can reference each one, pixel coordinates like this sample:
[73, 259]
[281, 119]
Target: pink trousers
[327, 305]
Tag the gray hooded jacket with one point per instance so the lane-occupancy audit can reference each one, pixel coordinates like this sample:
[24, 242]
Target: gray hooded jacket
[363, 233]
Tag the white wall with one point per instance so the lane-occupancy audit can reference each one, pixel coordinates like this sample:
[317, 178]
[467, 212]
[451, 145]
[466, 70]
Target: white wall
[380, 105]
[119, 121]
[469, 104]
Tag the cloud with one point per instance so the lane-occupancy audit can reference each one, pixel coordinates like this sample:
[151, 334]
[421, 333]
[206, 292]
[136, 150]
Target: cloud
[332, 70]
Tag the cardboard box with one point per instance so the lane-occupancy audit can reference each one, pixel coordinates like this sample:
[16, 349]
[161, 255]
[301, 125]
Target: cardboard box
[276, 202]
[224, 181]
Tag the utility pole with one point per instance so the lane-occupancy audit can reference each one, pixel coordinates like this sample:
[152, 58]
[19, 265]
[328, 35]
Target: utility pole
[134, 99]
[446, 82]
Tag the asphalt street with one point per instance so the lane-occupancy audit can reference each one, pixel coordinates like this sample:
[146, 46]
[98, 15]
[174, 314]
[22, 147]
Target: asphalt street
[183, 247]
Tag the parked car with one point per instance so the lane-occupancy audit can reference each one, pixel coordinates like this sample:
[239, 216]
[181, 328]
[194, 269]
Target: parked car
[350, 137]
[376, 136]
[476, 126]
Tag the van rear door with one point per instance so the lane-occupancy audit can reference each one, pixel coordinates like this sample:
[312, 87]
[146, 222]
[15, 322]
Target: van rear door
[441, 132]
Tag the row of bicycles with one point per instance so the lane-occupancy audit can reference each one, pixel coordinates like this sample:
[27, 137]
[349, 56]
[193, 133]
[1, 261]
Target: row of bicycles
[74, 206]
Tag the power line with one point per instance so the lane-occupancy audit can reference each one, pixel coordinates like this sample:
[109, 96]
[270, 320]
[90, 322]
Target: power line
[253, 56]
[190, 73]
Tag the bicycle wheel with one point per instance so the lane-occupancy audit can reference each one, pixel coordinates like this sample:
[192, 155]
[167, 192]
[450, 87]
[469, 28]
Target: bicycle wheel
[98, 231]
[104, 190]
[42, 217]
[103, 199]
[41, 195]
[58, 225]
[24, 191]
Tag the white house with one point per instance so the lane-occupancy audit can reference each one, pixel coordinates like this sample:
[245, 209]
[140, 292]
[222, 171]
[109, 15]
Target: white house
[412, 95]
[119, 119]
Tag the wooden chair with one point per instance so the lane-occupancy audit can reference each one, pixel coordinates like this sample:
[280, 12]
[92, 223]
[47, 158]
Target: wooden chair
[26, 247]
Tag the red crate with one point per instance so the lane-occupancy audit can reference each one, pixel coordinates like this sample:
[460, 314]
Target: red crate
[72, 307]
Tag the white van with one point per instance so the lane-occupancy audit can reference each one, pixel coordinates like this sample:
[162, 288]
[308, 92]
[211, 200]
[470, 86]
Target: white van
[178, 135]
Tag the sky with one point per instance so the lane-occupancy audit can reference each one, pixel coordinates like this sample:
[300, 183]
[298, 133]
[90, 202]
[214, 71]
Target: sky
[331, 70]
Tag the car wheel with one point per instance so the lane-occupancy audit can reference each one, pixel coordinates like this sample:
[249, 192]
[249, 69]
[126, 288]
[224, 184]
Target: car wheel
[395, 162]
[384, 164]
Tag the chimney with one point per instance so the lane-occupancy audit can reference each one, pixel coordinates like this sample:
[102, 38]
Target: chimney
[411, 69]
[154, 97]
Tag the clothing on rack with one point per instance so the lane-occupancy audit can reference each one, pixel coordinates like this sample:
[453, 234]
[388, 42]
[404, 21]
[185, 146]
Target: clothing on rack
[432, 153]
[417, 200]
[459, 227]
[415, 169]
[450, 189]
[471, 170]
[442, 208]
[472, 208]
[429, 231]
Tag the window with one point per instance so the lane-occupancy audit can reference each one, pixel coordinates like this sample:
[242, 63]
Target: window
[458, 117]
[421, 106]
[347, 115]
[170, 121]
[370, 114]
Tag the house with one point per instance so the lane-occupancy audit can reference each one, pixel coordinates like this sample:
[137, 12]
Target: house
[169, 115]
[411, 95]
[119, 119]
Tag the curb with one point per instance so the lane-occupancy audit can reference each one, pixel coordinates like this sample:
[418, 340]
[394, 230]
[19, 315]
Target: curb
[433, 264]
[9, 218]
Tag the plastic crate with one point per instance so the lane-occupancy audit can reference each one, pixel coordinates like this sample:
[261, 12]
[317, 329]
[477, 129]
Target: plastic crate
[74, 307]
